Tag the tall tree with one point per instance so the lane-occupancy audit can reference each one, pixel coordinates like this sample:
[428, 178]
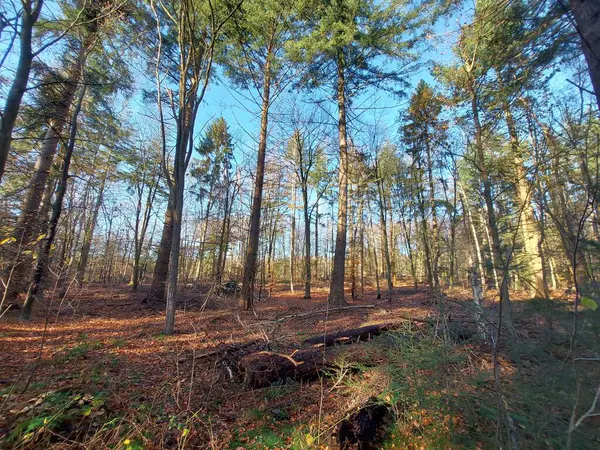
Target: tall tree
[257, 60]
[346, 50]
[305, 152]
[188, 33]
[81, 42]
[211, 173]
[29, 15]
[36, 289]
[424, 133]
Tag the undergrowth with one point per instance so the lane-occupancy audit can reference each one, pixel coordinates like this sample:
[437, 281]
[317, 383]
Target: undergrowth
[443, 394]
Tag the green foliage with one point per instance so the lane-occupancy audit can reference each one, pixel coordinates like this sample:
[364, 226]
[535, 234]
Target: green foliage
[54, 412]
[359, 37]
[216, 152]
[257, 33]
[82, 349]
[589, 303]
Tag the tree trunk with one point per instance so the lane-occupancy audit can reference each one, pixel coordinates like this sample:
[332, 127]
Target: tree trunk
[307, 236]
[89, 231]
[384, 236]
[474, 238]
[411, 258]
[353, 229]
[209, 204]
[177, 189]
[336, 289]
[36, 287]
[317, 241]
[587, 18]
[247, 297]
[173, 270]
[530, 228]
[435, 247]
[505, 309]
[271, 254]
[161, 268]
[227, 234]
[28, 221]
[373, 244]
[425, 230]
[362, 257]
[19, 86]
[293, 237]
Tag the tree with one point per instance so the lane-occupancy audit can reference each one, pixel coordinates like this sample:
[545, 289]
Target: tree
[257, 61]
[81, 42]
[385, 168]
[30, 13]
[305, 152]
[212, 173]
[424, 133]
[36, 287]
[192, 31]
[144, 182]
[343, 45]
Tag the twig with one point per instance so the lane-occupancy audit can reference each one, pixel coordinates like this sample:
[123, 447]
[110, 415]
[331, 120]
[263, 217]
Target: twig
[589, 413]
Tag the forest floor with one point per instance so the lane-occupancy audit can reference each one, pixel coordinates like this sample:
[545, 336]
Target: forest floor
[95, 371]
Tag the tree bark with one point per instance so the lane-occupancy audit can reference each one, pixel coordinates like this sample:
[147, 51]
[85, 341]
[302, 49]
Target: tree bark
[530, 228]
[19, 86]
[24, 232]
[336, 289]
[36, 287]
[587, 18]
[247, 297]
[161, 268]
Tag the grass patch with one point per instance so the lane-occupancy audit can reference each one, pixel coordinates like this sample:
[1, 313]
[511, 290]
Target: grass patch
[445, 395]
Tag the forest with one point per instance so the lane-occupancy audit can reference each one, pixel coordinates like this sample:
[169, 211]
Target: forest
[299, 224]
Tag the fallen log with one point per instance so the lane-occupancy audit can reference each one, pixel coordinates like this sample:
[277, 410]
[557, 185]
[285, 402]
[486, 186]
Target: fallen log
[348, 336]
[262, 369]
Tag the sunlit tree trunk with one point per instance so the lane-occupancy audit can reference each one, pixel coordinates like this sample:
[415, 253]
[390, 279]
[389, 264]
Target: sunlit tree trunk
[247, 297]
[24, 233]
[30, 14]
[336, 289]
[36, 290]
[529, 226]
